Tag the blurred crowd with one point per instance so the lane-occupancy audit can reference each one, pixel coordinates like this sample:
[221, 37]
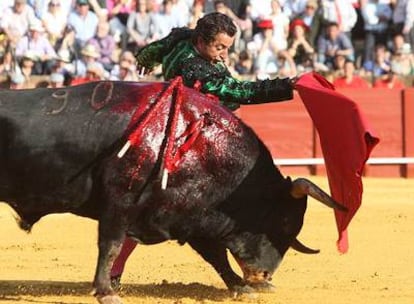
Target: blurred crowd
[365, 43]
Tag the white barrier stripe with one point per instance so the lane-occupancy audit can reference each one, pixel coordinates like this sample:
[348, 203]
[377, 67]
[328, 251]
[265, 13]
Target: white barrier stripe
[320, 161]
[391, 160]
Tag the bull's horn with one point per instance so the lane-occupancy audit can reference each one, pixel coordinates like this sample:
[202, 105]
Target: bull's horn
[298, 246]
[302, 187]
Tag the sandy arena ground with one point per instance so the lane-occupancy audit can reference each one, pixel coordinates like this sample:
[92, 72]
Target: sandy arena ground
[56, 262]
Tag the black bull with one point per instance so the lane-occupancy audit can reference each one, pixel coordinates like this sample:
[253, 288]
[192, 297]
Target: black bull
[58, 153]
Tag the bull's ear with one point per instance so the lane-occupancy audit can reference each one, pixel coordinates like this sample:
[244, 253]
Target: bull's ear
[298, 246]
[303, 186]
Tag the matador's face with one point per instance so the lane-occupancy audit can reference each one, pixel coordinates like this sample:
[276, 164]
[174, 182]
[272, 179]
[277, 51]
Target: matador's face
[217, 50]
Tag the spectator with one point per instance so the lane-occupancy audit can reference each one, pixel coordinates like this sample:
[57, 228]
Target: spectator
[244, 26]
[26, 68]
[349, 79]
[285, 65]
[126, 69]
[208, 6]
[389, 80]
[16, 19]
[197, 12]
[66, 6]
[165, 20]
[54, 21]
[280, 25]
[341, 12]
[39, 46]
[4, 42]
[339, 65]
[241, 10]
[294, 8]
[397, 42]
[105, 43]
[376, 17]
[265, 49]
[380, 65]
[118, 12]
[68, 43]
[56, 80]
[5, 4]
[260, 9]
[17, 81]
[402, 61]
[64, 66]
[244, 64]
[7, 62]
[334, 43]
[90, 54]
[99, 8]
[140, 26]
[127, 72]
[83, 21]
[41, 7]
[181, 10]
[299, 48]
[403, 20]
[124, 72]
[313, 19]
[94, 72]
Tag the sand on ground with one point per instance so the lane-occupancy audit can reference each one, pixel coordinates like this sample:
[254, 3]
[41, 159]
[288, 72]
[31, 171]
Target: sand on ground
[55, 263]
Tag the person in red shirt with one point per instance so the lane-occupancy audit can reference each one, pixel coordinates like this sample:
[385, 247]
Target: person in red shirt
[350, 79]
[390, 81]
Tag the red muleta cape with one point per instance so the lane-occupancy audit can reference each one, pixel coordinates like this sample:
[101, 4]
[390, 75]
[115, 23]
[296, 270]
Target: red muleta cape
[346, 140]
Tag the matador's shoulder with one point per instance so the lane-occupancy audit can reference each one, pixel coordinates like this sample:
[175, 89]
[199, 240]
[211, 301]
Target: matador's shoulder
[197, 68]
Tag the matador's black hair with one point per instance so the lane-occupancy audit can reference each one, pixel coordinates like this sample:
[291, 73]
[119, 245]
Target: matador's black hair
[212, 24]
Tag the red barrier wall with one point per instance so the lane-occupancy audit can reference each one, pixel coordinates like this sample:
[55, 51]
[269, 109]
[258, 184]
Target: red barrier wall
[408, 127]
[287, 129]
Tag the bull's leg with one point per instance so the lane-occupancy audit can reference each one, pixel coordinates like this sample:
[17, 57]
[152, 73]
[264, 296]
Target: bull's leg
[119, 264]
[215, 254]
[109, 245]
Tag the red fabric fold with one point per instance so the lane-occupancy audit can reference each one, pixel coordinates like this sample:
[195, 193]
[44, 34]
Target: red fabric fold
[346, 140]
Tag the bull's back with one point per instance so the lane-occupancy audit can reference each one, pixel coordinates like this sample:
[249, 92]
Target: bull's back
[48, 135]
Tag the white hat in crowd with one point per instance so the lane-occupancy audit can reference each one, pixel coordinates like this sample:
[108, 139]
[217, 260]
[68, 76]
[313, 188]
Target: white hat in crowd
[90, 50]
[36, 25]
[96, 68]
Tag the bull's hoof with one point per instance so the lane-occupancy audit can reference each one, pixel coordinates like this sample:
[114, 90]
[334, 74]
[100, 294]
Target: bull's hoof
[263, 287]
[116, 282]
[244, 293]
[109, 299]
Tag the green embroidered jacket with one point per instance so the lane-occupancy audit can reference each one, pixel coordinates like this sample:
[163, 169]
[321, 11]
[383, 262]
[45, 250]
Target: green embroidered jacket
[179, 57]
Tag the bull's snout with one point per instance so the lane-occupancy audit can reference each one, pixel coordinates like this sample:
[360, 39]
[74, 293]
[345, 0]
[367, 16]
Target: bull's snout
[256, 256]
